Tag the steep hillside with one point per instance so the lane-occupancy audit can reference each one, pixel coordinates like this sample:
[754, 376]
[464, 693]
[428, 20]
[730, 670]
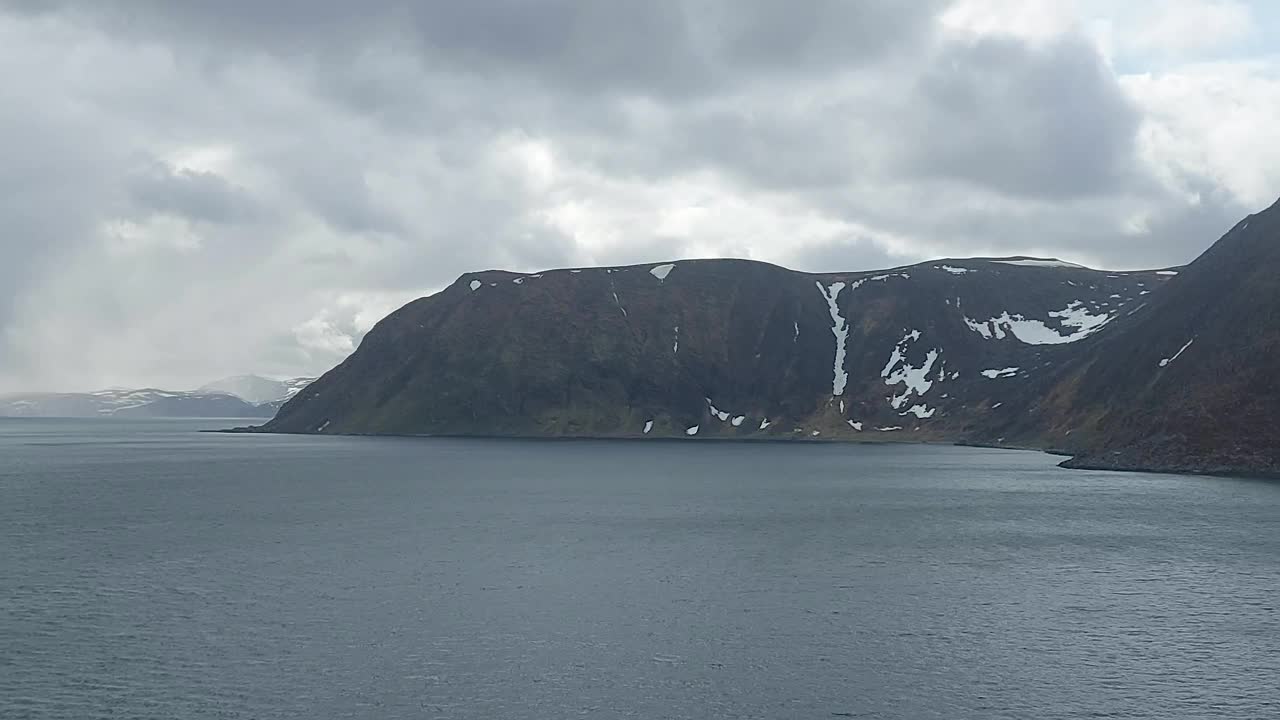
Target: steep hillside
[1191, 382]
[946, 351]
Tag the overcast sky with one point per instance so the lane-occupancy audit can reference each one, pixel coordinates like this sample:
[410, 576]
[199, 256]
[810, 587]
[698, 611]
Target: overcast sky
[190, 190]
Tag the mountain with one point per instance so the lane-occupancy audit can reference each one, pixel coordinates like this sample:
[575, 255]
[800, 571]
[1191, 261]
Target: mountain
[257, 389]
[727, 348]
[1192, 382]
[1170, 369]
[131, 403]
[243, 396]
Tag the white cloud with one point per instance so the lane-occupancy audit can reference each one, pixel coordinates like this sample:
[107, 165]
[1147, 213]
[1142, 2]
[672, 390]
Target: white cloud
[1213, 121]
[336, 329]
[1179, 27]
[1036, 20]
[127, 237]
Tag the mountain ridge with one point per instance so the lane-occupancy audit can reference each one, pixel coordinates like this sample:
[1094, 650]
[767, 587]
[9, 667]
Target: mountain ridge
[207, 401]
[795, 309]
[1007, 352]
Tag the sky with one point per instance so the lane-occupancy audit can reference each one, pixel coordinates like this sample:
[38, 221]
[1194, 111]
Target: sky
[194, 190]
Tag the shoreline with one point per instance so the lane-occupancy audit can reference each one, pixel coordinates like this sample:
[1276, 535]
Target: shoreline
[1071, 461]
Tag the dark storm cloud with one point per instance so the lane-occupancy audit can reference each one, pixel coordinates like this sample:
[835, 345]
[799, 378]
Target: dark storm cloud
[333, 185]
[1044, 122]
[195, 195]
[1040, 121]
[1049, 121]
[365, 152]
[661, 48]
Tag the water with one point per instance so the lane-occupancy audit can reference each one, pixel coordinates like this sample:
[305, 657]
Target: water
[151, 571]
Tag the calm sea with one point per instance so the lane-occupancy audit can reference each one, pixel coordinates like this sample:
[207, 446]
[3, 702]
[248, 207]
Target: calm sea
[151, 571]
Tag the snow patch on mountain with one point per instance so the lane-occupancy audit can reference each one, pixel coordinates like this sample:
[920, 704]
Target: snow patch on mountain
[915, 380]
[886, 276]
[661, 271]
[715, 411]
[295, 385]
[1165, 362]
[1003, 373]
[920, 411]
[840, 329]
[1075, 317]
[1078, 316]
[1040, 262]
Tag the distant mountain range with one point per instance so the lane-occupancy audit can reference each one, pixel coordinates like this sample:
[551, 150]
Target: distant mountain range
[1172, 369]
[257, 389]
[222, 399]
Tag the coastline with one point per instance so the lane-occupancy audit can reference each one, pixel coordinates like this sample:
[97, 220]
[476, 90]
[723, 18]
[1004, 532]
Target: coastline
[1072, 461]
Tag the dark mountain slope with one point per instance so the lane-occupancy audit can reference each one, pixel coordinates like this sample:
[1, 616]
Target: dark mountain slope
[947, 350]
[1192, 381]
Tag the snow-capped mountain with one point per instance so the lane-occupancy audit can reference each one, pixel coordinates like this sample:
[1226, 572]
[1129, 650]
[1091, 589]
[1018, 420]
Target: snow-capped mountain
[940, 351]
[130, 403]
[1173, 369]
[257, 389]
[261, 398]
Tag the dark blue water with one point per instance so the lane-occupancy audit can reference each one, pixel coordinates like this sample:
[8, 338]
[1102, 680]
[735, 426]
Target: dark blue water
[151, 571]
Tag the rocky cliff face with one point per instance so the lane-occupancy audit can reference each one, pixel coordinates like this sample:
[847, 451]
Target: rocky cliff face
[1166, 369]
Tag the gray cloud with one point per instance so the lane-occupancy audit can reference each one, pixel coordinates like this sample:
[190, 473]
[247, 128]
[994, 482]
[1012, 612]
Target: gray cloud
[844, 252]
[1049, 121]
[305, 165]
[659, 48]
[53, 174]
[333, 185]
[201, 196]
